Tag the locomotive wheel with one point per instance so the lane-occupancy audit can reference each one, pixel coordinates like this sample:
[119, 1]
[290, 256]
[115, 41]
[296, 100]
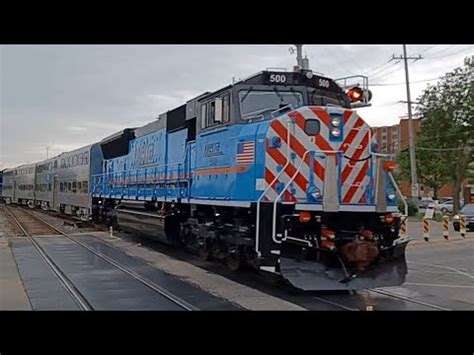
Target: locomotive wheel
[234, 261]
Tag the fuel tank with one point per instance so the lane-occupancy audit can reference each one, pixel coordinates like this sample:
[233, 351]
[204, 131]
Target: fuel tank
[136, 218]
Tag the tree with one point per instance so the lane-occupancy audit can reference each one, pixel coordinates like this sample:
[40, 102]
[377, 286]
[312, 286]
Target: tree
[430, 169]
[445, 142]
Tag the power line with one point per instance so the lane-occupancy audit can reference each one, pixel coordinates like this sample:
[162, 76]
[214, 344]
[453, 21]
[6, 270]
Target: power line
[442, 149]
[419, 81]
[427, 49]
[375, 69]
[441, 50]
[451, 54]
[416, 81]
[376, 73]
[452, 134]
[377, 77]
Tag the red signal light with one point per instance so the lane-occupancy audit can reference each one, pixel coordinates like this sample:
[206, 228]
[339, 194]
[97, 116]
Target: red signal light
[355, 94]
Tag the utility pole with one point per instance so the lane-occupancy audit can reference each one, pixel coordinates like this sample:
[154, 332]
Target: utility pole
[47, 151]
[411, 134]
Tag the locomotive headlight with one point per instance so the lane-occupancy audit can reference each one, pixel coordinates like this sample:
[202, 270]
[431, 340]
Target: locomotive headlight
[336, 121]
[316, 193]
[335, 132]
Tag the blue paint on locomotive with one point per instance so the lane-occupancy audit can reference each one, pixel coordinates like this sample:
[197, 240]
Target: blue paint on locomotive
[218, 173]
[163, 166]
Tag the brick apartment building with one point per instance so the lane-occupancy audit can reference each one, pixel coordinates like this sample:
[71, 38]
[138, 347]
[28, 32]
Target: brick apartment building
[393, 139]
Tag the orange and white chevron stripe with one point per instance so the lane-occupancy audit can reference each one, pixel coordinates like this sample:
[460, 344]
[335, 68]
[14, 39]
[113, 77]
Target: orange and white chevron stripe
[354, 177]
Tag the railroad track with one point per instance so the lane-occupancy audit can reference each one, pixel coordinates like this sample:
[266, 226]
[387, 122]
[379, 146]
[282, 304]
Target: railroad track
[348, 306]
[28, 222]
[386, 295]
[407, 299]
[35, 223]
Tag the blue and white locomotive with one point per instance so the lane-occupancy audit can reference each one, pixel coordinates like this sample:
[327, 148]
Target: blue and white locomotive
[276, 171]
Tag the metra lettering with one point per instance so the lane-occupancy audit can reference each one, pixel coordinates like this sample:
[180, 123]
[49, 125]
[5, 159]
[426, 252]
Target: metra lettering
[212, 149]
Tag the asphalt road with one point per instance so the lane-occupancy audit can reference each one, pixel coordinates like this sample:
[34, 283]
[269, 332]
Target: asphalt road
[444, 269]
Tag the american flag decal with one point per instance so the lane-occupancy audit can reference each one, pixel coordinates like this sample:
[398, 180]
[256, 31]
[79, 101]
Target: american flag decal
[245, 152]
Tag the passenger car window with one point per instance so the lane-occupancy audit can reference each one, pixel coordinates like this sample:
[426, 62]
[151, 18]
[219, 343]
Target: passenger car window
[85, 186]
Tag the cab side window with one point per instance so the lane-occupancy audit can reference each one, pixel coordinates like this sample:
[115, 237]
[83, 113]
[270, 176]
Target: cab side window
[215, 111]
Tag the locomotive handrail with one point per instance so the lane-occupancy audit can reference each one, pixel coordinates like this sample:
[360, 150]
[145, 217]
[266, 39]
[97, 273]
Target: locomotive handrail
[405, 204]
[257, 223]
[293, 177]
[106, 182]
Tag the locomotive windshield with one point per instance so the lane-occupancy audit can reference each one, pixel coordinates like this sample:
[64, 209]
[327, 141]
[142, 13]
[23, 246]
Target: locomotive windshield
[256, 103]
[320, 99]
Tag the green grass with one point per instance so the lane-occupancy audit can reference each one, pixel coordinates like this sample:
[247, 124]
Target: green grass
[438, 217]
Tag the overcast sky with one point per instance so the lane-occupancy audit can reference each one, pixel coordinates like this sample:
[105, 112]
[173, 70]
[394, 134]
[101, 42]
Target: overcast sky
[69, 96]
